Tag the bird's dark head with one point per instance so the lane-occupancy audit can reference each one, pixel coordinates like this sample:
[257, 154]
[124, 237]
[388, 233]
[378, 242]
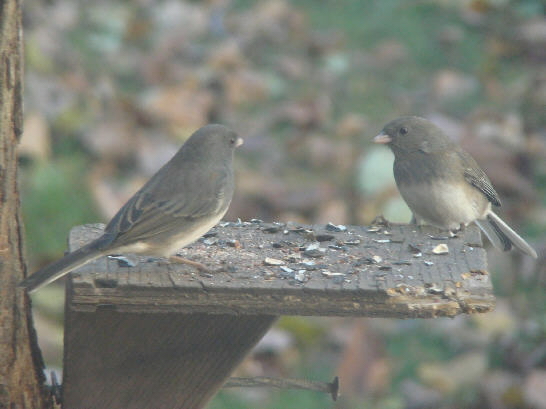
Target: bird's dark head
[214, 141]
[412, 134]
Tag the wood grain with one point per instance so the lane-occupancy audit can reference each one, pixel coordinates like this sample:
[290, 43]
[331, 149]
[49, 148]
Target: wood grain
[148, 360]
[384, 270]
[21, 365]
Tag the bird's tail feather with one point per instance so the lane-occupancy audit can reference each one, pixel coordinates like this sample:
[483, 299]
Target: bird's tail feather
[502, 236]
[61, 267]
[495, 235]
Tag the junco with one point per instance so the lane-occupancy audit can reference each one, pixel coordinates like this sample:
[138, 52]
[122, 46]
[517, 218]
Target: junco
[181, 202]
[442, 184]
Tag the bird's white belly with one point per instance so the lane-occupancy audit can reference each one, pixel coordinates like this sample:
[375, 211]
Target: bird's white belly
[176, 242]
[188, 237]
[446, 206]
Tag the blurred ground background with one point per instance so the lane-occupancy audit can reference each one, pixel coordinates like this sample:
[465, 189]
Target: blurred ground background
[113, 88]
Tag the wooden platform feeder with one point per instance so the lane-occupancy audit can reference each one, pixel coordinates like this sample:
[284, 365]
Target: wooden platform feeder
[145, 333]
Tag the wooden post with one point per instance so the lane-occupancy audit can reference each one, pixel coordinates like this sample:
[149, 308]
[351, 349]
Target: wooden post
[165, 336]
[21, 365]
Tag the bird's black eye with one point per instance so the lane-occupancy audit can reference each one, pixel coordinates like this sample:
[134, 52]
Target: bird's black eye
[403, 130]
[232, 141]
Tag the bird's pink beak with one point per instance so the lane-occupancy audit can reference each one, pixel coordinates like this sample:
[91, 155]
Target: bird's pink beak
[382, 138]
[239, 142]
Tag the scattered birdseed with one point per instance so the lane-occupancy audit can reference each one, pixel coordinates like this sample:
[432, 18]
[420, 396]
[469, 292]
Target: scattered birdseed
[402, 263]
[300, 276]
[297, 229]
[269, 261]
[434, 288]
[368, 260]
[355, 242]
[443, 237]
[334, 227]
[329, 274]
[271, 228]
[316, 253]
[210, 241]
[416, 251]
[441, 249]
[295, 258]
[314, 250]
[287, 274]
[324, 237]
[234, 243]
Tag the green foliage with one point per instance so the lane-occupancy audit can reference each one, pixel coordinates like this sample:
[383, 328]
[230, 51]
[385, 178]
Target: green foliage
[414, 344]
[55, 197]
[305, 331]
[286, 399]
[50, 302]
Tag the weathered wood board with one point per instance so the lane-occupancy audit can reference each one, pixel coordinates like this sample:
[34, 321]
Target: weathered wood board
[385, 270]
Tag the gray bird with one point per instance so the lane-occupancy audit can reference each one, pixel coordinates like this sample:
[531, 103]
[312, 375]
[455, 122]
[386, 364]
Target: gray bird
[442, 184]
[180, 203]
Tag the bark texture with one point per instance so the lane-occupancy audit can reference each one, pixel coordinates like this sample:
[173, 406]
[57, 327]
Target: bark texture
[21, 376]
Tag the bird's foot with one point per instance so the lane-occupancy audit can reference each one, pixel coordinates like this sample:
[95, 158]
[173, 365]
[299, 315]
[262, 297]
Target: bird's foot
[459, 231]
[380, 221]
[178, 259]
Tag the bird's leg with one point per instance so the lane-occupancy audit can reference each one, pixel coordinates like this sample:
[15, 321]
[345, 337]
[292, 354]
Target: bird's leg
[197, 265]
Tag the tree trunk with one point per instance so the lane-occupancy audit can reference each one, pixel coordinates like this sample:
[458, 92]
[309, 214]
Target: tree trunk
[21, 366]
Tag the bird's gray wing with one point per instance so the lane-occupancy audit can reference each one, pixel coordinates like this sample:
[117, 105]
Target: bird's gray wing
[477, 178]
[154, 210]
